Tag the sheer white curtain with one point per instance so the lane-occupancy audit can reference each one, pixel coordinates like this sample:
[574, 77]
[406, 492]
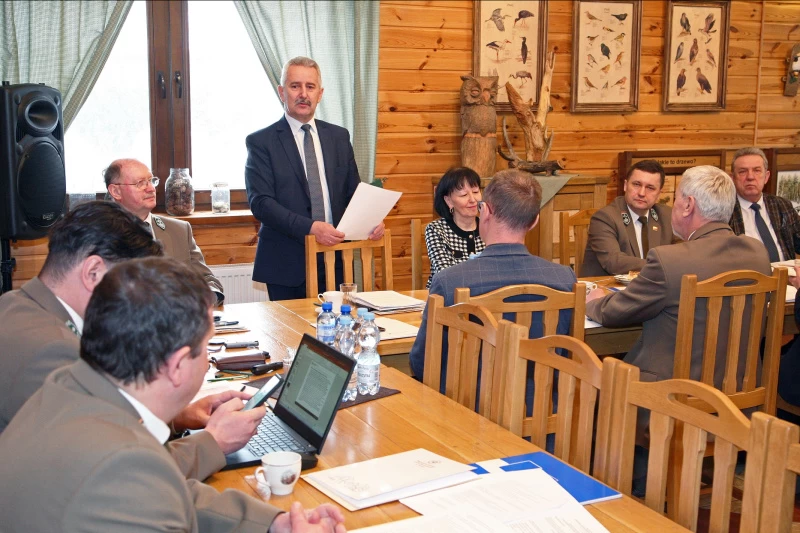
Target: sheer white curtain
[342, 36]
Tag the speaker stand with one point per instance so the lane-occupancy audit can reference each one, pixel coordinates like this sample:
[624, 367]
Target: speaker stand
[7, 264]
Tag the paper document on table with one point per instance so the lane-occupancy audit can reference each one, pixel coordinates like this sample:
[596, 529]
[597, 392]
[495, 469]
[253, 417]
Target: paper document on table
[394, 329]
[588, 323]
[791, 293]
[385, 301]
[468, 522]
[788, 264]
[386, 479]
[367, 208]
[525, 500]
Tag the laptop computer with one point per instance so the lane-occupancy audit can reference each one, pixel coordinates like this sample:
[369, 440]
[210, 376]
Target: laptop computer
[305, 409]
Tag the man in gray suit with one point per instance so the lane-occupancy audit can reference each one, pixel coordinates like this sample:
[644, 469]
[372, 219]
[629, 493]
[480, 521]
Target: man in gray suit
[131, 184]
[88, 448]
[41, 324]
[621, 233]
[703, 204]
[510, 208]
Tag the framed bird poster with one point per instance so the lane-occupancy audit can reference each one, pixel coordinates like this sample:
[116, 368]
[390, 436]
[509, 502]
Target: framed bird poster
[695, 55]
[607, 38]
[510, 41]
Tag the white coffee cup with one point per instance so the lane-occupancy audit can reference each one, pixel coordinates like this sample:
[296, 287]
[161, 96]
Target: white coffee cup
[279, 471]
[334, 297]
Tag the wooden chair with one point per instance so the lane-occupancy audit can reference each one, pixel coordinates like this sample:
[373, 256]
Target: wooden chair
[347, 247]
[418, 280]
[467, 342]
[579, 222]
[622, 394]
[579, 372]
[549, 303]
[730, 289]
[769, 499]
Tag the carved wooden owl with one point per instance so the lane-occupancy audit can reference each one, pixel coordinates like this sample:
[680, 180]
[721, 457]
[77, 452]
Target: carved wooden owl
[479, 123]
[478, 98]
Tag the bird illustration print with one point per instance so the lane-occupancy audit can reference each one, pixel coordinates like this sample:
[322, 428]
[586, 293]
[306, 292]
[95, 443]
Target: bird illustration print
[605, 69]
[606, 51]
[609, 30]
[621, 82]
[705, 85]
[709, 24]
[681, 82]
[523, 15]
[605, 87]
[693, 52]
[618, 60]
[710, 59]
[679, 53]
[588, 83]
[523, 75]
[591, 17]
[497, 46]
[686, 25]
[591, 61]
[497, 18]
[523, 51]
[621, 17]
[591, 38]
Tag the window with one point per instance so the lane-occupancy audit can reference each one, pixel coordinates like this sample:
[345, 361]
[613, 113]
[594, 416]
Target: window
[149, 104]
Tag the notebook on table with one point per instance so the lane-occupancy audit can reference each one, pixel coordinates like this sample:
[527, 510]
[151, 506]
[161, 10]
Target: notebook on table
[305, 409]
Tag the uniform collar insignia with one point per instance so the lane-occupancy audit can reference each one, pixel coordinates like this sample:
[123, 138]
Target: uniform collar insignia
[653, 214]
[159, 222]
[626, 219]
[72, 327]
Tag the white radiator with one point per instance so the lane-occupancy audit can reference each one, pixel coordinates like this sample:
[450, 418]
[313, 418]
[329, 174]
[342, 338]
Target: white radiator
[237, 282]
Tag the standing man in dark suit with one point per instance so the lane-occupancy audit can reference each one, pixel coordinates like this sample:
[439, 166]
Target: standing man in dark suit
[131, 184]
[621, 234]
[300, 175]
[779, 230]
[86, 452]
[510, 209]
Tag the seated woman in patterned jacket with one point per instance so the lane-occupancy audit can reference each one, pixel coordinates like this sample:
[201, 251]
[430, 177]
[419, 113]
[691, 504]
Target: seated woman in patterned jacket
[452, 238]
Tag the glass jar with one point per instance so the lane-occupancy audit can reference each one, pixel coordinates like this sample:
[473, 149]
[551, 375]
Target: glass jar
[220, 197]
[179, 192]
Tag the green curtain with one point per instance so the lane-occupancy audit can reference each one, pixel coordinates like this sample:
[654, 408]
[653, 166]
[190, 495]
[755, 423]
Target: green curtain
[63, 44]
[342, 36]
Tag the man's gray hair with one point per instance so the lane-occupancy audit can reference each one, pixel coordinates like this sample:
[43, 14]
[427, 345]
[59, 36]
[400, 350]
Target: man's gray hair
[713, 191]
[515, 197]
[741, 152]
[300, 61]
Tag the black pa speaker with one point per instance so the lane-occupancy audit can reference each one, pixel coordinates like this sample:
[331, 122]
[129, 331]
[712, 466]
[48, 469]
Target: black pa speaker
[33, 184]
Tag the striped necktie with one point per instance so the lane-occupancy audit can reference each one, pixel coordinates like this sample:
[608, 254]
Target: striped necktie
[312, 174]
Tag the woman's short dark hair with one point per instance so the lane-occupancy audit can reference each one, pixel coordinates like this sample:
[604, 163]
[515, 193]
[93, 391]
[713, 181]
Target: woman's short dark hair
[455, 178]
[141, 312]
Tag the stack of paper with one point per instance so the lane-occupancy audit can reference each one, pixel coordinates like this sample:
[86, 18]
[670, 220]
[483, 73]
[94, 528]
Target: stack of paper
[385, 302]
[394, 329]
[386, 479]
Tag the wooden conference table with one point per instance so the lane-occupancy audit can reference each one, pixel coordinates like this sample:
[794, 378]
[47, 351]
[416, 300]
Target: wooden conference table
[418, 417]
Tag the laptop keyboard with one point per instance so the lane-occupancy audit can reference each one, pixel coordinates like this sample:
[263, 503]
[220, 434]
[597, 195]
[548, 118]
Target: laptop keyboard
[272, 437]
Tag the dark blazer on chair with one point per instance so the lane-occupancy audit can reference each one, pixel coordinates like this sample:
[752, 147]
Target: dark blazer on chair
[612, 247]
[784, 219]
[277, 190]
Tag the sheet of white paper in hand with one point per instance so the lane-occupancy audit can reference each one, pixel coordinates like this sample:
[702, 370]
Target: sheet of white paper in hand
[368, 207]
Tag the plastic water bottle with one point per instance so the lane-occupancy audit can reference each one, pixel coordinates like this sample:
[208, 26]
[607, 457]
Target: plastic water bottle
[326, 324]
[369, 362]
[360, 312]
[345, 311]
[346, 342]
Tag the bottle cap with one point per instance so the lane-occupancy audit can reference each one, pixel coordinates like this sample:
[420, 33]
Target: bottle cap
[369, 316]
[345, 320]
[345, 309]
[327, 307]
[361, 311]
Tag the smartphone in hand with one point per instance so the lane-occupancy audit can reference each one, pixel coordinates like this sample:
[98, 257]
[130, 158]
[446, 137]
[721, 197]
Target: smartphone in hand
[263, 393]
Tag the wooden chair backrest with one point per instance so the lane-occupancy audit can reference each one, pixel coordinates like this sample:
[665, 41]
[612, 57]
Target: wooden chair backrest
[366, 246]
[579, 222]
[727, 289]
[622, 394]
[418, 280]
[468, 342]
[579, 379]
[550, 304]
[768, 505]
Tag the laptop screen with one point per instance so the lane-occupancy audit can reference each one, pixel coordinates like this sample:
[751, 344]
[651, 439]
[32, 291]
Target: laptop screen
[313, 389]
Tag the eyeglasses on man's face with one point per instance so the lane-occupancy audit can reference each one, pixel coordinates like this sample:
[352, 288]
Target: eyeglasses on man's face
[481, 204]
[142, 183]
